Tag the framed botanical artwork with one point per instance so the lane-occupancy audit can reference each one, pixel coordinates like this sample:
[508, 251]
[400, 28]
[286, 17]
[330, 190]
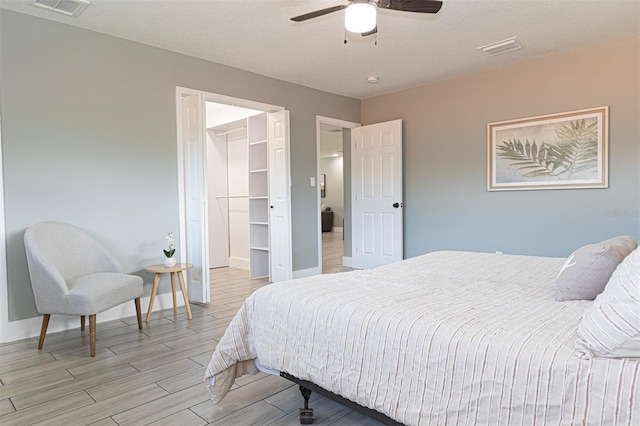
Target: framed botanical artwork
[557, 151]
[322, 179]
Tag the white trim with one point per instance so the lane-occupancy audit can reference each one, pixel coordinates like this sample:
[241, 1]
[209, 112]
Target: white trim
[307, 272]
[5, 325]
[180, 91]
[30, 327]
[204, 295]
[237, 102]
[347, 261]
[237, 262]
[335, 122]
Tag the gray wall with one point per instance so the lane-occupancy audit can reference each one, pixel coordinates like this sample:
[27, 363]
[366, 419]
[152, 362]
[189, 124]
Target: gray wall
[446, 202]
[89, 137]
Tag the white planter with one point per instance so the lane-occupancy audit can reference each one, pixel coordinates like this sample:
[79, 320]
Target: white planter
[169, 262]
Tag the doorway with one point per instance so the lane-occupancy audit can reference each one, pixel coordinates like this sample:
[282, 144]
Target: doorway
[372, 191]
[233, 171]
[334, 199]
[228, 184]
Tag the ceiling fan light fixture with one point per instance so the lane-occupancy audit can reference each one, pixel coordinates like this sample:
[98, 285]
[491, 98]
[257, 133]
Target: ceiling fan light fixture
[360, 17]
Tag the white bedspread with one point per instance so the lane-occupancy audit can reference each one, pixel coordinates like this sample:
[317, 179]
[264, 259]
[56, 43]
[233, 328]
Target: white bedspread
[441, 339]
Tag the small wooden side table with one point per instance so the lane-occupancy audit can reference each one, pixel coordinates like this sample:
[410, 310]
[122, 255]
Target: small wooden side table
[160, 269]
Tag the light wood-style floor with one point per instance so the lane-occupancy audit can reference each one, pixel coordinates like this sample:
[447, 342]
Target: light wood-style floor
[332, 252]
[153, 376]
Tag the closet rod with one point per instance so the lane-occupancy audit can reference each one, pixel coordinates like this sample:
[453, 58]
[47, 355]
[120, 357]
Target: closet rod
[232, 196]
[228, 132]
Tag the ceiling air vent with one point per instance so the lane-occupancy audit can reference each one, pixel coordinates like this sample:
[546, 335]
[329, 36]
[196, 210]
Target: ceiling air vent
[66, 7]
[501, 47]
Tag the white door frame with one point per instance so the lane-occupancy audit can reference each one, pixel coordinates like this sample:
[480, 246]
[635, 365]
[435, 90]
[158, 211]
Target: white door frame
[211, 97]
[4, 294]
[334, 122]
[204, 295]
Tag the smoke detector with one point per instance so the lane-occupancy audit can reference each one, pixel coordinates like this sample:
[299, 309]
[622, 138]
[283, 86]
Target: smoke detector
[501, 47]
[372, 79]
[66, 7]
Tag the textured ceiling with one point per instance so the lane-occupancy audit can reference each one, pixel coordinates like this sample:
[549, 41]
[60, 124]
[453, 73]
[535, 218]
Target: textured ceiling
[412, 49]
[330, 141]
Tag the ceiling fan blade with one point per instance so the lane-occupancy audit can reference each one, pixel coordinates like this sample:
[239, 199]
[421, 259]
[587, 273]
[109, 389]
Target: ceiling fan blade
[368, 33]
[420, 6]
[317, 13]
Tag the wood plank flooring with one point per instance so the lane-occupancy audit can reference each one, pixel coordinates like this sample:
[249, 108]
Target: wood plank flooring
[154, 376]
[332, 252]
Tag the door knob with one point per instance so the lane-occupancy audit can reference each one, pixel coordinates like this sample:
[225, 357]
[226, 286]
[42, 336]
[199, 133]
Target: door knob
[396, 205]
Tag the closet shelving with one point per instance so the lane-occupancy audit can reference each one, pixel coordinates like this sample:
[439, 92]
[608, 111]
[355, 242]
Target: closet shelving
[258, 195]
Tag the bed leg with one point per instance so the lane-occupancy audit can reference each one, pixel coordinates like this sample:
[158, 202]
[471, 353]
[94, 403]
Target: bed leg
[306, 413]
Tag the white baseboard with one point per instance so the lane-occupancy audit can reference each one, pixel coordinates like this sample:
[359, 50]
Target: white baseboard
[237, 262]
[307, 272]
[347, 261]
[30, 327]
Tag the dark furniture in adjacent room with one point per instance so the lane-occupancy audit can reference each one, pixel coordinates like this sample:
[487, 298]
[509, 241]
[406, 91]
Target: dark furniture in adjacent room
[327, 221]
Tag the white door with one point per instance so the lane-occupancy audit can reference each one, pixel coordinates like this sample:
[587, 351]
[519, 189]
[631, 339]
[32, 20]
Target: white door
[195, 202]
[279, 197]
[376, 194]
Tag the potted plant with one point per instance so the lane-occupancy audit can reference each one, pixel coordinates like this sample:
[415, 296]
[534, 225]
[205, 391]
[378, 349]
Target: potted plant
[170, 260]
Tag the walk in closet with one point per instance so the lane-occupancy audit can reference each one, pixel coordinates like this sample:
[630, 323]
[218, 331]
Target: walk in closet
[238, 192]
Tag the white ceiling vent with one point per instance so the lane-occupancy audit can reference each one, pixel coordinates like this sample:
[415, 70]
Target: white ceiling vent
[66, 7]
[501, 47]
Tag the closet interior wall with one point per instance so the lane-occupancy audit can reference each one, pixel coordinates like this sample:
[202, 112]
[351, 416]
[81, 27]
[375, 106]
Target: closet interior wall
[228, 187]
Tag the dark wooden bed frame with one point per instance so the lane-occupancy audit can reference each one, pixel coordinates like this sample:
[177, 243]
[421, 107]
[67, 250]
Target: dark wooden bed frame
[306, 414]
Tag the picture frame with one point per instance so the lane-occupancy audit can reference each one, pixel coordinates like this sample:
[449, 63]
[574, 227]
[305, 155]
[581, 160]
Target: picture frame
[566, 150]
[322, 188]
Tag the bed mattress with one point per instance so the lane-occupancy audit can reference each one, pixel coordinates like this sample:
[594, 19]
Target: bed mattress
[444, 338]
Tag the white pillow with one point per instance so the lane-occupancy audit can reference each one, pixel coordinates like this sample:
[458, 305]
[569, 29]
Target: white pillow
[610, 327]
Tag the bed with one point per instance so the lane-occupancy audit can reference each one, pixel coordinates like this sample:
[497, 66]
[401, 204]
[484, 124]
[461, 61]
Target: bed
[443, 338]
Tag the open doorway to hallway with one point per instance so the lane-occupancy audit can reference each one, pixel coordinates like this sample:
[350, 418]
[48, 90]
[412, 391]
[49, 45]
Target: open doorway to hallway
[333, 139]
[331, 182]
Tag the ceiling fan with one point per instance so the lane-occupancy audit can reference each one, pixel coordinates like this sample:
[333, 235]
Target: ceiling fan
[360, 15]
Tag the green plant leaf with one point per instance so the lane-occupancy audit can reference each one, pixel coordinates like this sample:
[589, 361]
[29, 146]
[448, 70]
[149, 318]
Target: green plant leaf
[528, 156]
[576, 147]
[575, 151]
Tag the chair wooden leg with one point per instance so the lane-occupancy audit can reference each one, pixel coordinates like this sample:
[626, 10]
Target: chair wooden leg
[92, 333]
[138, 313]
[81, 322]
[43, 330]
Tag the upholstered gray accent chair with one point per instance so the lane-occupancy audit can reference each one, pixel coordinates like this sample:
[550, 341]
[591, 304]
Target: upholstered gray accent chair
[72, 274]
